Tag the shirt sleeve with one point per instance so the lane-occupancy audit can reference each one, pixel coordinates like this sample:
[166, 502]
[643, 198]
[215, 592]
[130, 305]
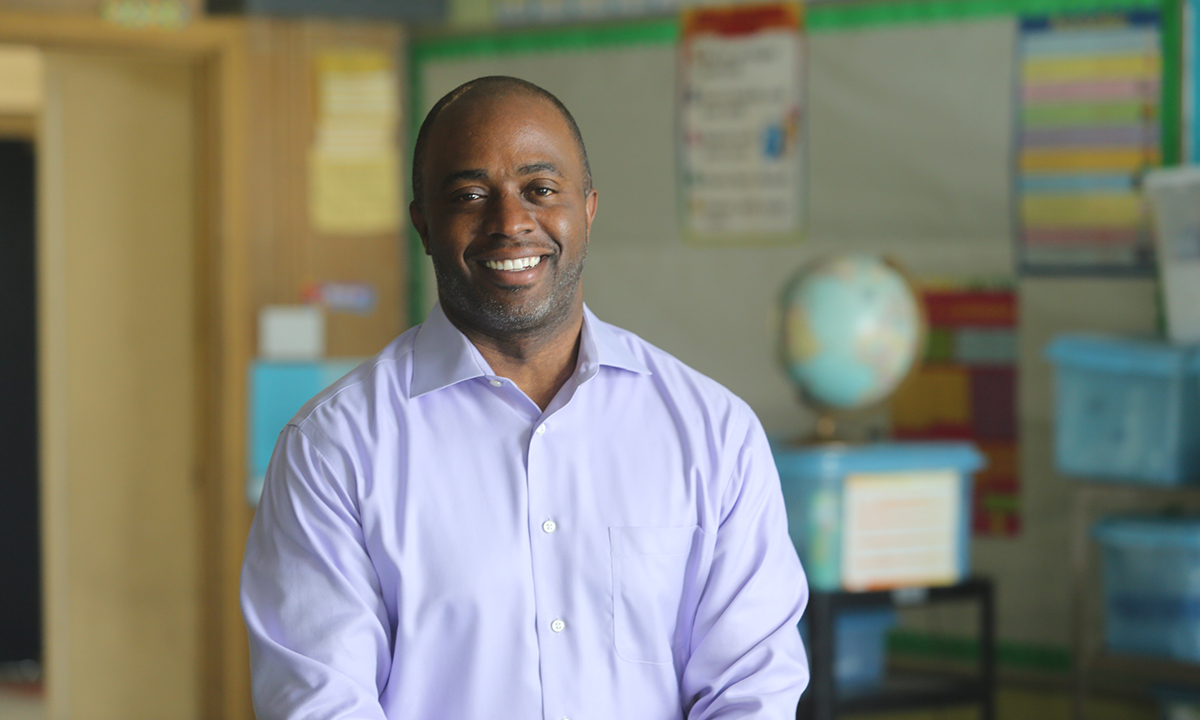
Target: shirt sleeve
[320, 644]
[747, 660]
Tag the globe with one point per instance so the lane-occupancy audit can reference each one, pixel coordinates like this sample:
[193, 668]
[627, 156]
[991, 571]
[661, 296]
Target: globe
[852, 330]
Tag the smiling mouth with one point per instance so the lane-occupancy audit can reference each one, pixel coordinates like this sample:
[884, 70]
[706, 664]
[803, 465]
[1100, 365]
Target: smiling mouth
[514, 265]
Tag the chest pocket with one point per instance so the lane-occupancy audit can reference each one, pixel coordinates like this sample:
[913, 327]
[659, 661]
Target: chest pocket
[649, 567]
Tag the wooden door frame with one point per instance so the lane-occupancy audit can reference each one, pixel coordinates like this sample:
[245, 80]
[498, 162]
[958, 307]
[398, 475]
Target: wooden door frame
[217, 48]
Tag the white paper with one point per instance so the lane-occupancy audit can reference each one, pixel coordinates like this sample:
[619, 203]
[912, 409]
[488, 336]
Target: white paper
[1174, 196]
[741, 135]
[901, 528]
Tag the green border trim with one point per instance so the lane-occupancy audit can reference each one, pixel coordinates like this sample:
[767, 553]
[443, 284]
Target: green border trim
[546, 39]
[1017, 656]
[1171, 100]
[839, 16]
[416, 251]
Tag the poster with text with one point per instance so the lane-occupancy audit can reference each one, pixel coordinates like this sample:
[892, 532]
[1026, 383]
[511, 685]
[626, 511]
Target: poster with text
[742, 124]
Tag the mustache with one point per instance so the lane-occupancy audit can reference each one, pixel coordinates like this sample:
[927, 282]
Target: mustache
[508, 246]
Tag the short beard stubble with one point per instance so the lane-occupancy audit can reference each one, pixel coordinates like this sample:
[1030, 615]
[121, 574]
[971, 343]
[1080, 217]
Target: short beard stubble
[495, 317]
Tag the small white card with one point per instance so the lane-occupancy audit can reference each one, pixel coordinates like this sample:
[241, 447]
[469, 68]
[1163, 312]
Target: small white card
[291, 332]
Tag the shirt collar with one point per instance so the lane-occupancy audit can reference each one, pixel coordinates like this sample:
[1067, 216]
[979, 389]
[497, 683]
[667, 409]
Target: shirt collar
[443, 356]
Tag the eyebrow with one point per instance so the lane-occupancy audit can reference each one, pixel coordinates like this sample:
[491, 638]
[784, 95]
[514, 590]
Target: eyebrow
[480, 174]
[465, 175]
[542, 167]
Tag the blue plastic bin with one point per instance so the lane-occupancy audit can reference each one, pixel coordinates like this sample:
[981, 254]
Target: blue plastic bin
[812, 480]
[1177, 703]
[1126, 410]
[859, 647]
[1152, 585]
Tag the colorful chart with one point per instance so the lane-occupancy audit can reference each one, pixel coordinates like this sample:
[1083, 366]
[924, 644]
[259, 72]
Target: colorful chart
[1089, 94]
[967, 390]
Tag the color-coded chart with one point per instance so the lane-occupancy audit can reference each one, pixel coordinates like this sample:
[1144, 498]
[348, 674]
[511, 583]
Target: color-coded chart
[966, 389]
[1089, 91]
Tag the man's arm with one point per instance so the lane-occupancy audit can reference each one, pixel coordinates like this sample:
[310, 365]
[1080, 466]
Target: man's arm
[319, 640]
[747, 660]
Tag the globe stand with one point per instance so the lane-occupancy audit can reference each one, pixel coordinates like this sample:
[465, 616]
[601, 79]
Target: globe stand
[826, 429]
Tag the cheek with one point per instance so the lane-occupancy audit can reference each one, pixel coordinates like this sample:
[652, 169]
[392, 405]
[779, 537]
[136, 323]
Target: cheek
[451, 238]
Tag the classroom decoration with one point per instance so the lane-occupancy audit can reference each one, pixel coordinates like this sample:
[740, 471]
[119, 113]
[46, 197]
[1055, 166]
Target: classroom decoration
[172, 14]
[741, 149]
[852, 329]
[967, 390]
[354, 165]
[1090, 90]
[278, 389]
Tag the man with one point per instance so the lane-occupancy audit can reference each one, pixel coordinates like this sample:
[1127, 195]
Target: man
[516, 510]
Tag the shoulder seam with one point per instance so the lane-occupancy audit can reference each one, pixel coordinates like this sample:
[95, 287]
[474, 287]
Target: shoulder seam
[348, 386]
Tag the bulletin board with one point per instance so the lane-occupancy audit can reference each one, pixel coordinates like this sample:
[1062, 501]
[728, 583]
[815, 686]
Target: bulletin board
[910, 125]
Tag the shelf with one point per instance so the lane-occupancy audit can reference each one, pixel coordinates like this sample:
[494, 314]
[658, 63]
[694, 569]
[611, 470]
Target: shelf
[1149, 667]
[913, 691]
[901, 690]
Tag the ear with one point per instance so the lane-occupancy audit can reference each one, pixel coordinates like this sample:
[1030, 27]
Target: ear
[593, 197]
[419, 223]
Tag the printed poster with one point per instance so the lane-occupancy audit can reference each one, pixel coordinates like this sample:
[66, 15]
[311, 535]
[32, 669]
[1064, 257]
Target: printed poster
[966, 389]
[354, 163]
[1089, 90]
[741, 115]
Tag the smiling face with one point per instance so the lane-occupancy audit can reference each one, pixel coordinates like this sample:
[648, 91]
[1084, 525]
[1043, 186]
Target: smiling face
[505, 215]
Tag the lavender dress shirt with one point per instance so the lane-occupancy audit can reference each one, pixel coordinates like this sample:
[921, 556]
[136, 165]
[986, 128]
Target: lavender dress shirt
[430, 545]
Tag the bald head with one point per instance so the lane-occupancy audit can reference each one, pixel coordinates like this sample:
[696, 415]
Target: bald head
[495, 87]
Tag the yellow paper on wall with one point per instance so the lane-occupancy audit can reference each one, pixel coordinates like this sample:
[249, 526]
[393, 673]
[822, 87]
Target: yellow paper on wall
[353, 170]
[354, 194]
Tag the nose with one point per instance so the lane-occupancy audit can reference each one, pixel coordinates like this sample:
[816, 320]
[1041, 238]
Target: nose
[508, 215]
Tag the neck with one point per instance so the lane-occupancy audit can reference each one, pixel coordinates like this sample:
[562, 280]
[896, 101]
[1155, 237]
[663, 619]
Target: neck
[540, 362]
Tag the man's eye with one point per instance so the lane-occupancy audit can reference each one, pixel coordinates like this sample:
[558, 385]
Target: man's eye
[467, 196]
[543, 191]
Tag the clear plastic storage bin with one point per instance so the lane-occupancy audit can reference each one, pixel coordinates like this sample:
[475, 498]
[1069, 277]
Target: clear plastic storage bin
[859, 647]
[1152, 585]
[1126, 410]
[905, 505]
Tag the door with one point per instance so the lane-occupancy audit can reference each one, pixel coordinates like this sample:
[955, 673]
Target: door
[117, 291]
[20, 560]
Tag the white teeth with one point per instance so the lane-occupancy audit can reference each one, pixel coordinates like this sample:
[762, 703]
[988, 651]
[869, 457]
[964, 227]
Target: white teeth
[518, 264]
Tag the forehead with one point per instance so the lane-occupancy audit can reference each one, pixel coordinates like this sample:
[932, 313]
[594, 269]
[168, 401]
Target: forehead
[490, 129]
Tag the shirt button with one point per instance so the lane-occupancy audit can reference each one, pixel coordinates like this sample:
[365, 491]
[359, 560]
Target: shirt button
[496, 383]
[549, 526]
[558, 626]
[541, 430]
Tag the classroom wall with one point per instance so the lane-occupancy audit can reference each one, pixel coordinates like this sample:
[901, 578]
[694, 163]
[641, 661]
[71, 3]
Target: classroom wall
[910, 131]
